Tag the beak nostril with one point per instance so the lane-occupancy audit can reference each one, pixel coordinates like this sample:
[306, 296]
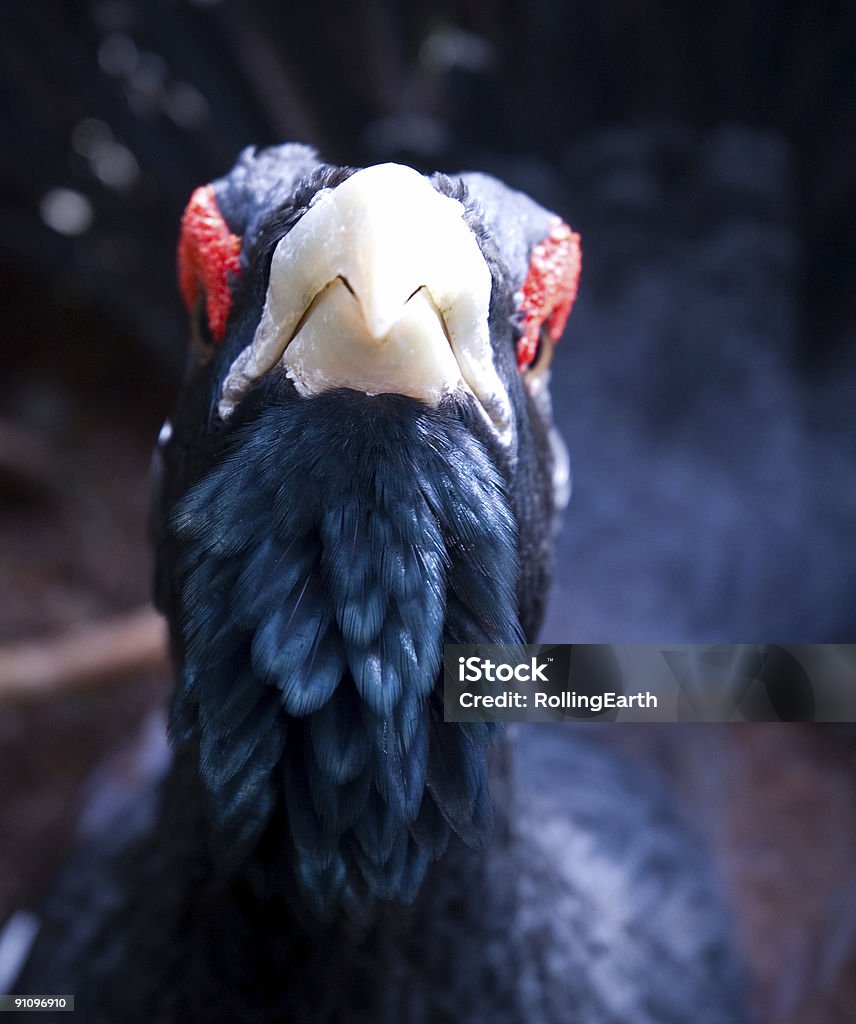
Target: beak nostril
[413, 293]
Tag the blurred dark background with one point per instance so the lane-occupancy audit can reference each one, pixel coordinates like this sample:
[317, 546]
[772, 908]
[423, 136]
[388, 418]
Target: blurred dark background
[706, 385]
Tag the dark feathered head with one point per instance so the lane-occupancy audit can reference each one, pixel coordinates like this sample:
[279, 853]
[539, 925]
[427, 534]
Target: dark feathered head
[361, 468]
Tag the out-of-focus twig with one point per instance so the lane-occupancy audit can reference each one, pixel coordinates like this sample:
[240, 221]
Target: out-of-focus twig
[91, 654]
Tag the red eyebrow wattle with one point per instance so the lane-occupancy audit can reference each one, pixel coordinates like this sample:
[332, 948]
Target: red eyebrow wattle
[208, 255]
[550, 288]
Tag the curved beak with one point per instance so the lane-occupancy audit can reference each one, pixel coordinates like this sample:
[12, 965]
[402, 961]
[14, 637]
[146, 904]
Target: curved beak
[380, 287]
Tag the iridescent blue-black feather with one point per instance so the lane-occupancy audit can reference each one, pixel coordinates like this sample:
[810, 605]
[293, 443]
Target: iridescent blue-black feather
[326, 557]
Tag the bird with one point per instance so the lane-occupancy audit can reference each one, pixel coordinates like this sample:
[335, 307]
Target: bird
[361, 467]
[706, 397]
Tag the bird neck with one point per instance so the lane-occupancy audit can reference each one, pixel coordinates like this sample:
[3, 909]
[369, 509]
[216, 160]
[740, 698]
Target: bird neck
[324, 562]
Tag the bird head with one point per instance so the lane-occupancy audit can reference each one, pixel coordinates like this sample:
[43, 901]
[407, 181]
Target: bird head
[361, 466]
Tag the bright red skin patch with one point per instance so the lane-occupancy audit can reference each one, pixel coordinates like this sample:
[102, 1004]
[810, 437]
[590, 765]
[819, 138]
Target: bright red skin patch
[208, 254]
[550, 288]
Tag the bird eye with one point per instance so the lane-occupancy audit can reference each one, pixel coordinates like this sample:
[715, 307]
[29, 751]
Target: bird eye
[208, 262]
[547, 295]
[202, 341]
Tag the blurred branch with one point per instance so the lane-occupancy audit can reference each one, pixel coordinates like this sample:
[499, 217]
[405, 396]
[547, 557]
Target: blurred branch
[89, 655]
[260, 58]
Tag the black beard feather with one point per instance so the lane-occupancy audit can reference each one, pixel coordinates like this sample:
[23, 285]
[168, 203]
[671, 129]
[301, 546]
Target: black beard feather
[324, 560]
